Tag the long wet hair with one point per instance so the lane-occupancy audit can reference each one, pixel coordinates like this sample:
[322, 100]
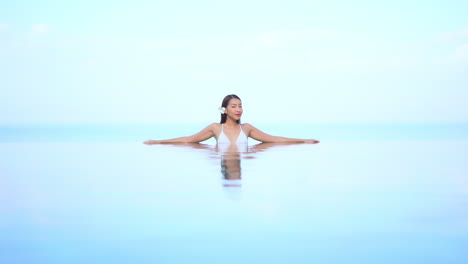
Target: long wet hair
[224, 104]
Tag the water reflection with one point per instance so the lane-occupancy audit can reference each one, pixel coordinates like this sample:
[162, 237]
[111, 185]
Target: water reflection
[230, 157]
[231, 169]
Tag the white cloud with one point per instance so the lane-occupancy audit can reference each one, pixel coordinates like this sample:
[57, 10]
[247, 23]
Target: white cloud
[461, 53]
[454, 35]
[39, 29]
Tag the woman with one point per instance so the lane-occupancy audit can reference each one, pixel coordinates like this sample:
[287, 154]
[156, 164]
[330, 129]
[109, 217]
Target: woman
[230, 130]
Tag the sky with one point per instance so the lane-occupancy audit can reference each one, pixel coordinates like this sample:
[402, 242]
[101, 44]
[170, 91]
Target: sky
[108, 62]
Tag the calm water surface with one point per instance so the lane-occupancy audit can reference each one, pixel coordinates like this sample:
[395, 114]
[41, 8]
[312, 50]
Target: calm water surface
[336, 202]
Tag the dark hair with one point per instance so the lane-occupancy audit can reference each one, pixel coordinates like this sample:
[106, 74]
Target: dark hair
[224, 104]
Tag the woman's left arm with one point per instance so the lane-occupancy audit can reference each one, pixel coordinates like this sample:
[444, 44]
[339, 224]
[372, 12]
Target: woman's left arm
[259, 135]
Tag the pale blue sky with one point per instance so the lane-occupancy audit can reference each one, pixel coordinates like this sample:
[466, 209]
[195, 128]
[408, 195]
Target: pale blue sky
[290, 61]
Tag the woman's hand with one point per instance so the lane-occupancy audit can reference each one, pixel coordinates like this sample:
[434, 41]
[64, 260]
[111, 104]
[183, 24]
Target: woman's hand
[311, 141]
[151, 142]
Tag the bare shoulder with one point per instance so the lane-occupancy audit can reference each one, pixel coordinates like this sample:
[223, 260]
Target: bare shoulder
[215, 127]
[247, 128]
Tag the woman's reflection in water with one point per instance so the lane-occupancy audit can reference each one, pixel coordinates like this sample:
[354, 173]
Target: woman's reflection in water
[231, 164]
[230, 157]
[231, 160]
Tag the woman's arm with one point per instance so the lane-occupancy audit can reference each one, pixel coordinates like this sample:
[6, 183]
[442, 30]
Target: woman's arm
[203, 135]
[259, 135]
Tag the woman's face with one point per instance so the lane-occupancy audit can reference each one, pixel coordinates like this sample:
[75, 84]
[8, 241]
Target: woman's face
[234, 109]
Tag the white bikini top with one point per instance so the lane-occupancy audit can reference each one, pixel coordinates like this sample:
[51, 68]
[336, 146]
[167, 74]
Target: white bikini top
[223, 139]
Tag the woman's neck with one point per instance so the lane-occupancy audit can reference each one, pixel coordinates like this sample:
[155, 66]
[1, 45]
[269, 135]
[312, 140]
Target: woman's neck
[231, 123]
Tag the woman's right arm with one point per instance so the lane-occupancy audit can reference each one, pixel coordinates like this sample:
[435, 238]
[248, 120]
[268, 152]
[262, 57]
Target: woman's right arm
[206, 133]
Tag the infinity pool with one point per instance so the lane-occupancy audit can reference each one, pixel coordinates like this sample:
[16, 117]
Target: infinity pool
[335, 202]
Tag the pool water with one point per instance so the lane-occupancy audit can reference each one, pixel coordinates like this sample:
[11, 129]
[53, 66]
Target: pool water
[341, 201]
